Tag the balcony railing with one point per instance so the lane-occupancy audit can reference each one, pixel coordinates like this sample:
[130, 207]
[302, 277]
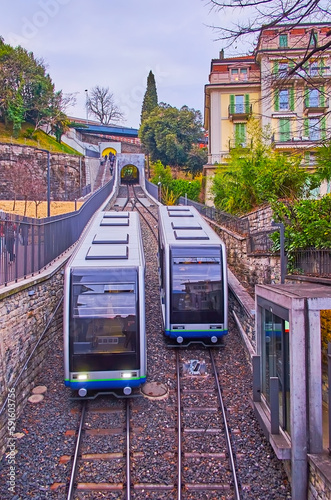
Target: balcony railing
[309, 74]
[240, 143]
[295, 139]
[316, 106]
[240, 111]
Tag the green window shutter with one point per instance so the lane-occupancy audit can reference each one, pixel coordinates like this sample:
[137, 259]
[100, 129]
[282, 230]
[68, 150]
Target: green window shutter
[276, 100]
[307, 158]
[322, 96]
[306, 127]
[306, 97]
[240, 133]
[323, 127]
[232, 103]
[246, 103]
[276, 68]
[284, 129]
[321, 65]
[292, 99]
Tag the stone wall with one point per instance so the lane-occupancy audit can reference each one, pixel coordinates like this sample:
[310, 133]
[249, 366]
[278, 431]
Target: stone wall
[25, 311]
[251, 269]
[67, 172]
[319, 487]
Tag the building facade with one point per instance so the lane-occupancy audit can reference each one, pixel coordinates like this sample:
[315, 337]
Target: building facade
[274, 87]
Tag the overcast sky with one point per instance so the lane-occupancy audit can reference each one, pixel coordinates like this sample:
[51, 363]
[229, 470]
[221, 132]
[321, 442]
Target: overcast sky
[115, 43]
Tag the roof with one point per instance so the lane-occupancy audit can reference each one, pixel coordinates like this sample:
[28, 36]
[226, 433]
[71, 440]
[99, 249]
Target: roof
[89, 127]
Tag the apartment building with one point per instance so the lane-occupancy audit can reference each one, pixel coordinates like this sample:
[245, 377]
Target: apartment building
[270, 86]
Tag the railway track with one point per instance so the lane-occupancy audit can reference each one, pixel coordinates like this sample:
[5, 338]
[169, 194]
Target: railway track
[100, 464]
[206, 459]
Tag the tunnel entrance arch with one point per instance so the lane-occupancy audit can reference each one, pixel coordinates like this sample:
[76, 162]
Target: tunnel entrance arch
[129, 174]
[108, 151]
[131, 168]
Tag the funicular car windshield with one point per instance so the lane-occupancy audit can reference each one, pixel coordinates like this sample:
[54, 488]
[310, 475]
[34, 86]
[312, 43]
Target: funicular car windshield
[197, 286]
[103, 316]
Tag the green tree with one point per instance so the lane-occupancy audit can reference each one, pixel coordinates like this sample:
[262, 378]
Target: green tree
[306, 224]
[171, 188]
[160, 173]
[27, 92]
[258, 175]
[150, 101]
[197, 158]
[323, 163]
[168, 134]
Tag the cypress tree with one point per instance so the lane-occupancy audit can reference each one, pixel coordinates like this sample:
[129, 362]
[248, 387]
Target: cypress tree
[150, 97]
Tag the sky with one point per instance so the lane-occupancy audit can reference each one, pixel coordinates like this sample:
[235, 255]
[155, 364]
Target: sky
[115, 43]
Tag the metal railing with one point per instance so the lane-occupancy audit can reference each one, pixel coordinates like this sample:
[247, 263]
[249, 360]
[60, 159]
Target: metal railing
[312, 261]
[239, 225]
[28, 245]
[260, 242]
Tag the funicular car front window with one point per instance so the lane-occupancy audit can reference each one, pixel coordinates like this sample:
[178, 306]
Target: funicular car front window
[104, 318]
[196, 286]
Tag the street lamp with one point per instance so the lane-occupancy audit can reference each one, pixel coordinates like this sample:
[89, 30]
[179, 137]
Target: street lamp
[86, 104]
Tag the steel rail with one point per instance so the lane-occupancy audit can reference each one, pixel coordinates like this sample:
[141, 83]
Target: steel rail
[76, 453]
[136, 199]
[128, 473]
[179, 432]
[226, 429]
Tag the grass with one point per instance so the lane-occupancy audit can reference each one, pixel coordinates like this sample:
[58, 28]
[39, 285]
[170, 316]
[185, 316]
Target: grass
[40, 140]
[57, 208]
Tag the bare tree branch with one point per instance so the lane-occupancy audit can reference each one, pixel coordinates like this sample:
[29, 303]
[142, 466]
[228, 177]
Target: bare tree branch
[267, 14]
[102, 104]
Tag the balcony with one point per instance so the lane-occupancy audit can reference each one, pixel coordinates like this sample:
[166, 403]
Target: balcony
[289, 141]
[243, 143]
[312, 74]
[316, 107]
[239, 111]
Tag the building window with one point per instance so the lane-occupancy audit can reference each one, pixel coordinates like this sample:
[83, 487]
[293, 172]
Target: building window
[239, 104]
[313, 69]
[283, 41]
[235, 74]
[314, 98]
[313, 39]
[282, 69]
[314, 129]
[239, 74]
[243, 74]
[284, 99]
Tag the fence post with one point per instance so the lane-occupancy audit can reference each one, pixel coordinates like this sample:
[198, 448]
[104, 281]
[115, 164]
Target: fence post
[283, 264]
